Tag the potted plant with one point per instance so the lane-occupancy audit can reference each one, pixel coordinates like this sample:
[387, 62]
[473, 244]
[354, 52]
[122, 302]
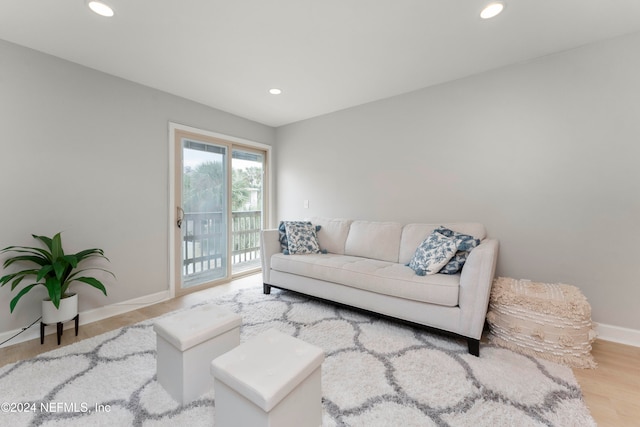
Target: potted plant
[54, 270]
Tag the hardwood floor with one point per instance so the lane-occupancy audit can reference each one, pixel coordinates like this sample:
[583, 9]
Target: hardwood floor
[612, 391]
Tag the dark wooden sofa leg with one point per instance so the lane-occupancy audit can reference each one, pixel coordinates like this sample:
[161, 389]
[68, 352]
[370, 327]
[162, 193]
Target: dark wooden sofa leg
[474, 346]
[59, 331]
[266, 289]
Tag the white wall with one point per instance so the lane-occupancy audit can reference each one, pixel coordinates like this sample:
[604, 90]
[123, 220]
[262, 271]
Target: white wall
[543, 153]
[87, 153]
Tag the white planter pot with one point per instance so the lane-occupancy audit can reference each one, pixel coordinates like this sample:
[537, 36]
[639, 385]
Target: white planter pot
[67, 311]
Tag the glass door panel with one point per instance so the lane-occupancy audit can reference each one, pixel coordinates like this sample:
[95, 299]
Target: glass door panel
[247, 207]
[204, 204]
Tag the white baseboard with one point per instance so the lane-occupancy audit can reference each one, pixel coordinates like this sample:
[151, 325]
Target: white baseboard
[88, 316]
[618, 334]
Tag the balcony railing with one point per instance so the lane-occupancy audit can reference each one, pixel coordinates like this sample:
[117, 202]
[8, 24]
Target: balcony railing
[204, 241]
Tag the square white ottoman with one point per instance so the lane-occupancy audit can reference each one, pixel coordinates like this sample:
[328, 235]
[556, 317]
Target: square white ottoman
[271, 380]
[187, 342]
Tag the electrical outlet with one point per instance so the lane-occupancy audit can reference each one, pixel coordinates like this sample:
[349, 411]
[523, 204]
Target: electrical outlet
[306, 204]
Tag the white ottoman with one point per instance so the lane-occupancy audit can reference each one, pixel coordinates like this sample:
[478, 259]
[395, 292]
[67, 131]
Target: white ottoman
[271, 380]
[187, 343]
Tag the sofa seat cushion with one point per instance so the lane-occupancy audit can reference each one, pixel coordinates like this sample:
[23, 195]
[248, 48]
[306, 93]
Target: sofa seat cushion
[382, 277]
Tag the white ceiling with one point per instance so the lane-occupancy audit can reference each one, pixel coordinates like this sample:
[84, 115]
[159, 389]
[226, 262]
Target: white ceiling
[325, 55]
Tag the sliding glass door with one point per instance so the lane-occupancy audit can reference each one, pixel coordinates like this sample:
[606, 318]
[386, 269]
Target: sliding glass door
[219, 212]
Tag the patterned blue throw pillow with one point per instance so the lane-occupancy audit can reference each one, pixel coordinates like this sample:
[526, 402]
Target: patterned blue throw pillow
[284, 240]
[467, 243]
[302, 238]
[433, 253]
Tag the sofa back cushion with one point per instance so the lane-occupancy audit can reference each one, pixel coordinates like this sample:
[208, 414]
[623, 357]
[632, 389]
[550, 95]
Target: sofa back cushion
[414, 234]
[332, 234]
[376, 240]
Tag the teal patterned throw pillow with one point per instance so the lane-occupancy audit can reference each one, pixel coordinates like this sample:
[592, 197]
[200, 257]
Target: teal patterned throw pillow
[466, 244]
[301, 238]
[433, 253]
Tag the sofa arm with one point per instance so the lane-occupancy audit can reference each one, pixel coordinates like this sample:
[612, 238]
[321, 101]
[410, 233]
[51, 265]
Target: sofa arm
[476, 280]
[269, 245]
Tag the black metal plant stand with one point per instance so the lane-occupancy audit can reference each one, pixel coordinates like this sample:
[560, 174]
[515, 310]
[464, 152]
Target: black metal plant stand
[58, 328]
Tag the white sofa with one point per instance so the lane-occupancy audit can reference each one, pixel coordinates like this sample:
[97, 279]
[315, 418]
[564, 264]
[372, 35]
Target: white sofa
[365, 267]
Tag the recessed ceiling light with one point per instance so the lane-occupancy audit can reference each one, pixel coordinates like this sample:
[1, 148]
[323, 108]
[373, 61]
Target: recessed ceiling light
[100, 8]
[491, 10]
[275, 91]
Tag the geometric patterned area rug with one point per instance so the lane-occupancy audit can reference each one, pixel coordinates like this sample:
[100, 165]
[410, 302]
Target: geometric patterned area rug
[376, 373]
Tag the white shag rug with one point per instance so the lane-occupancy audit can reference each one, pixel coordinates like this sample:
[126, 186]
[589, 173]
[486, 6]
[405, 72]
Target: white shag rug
[376, 373]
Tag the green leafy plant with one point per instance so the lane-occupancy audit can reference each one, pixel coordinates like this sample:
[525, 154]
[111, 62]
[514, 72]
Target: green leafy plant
[52, 269]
